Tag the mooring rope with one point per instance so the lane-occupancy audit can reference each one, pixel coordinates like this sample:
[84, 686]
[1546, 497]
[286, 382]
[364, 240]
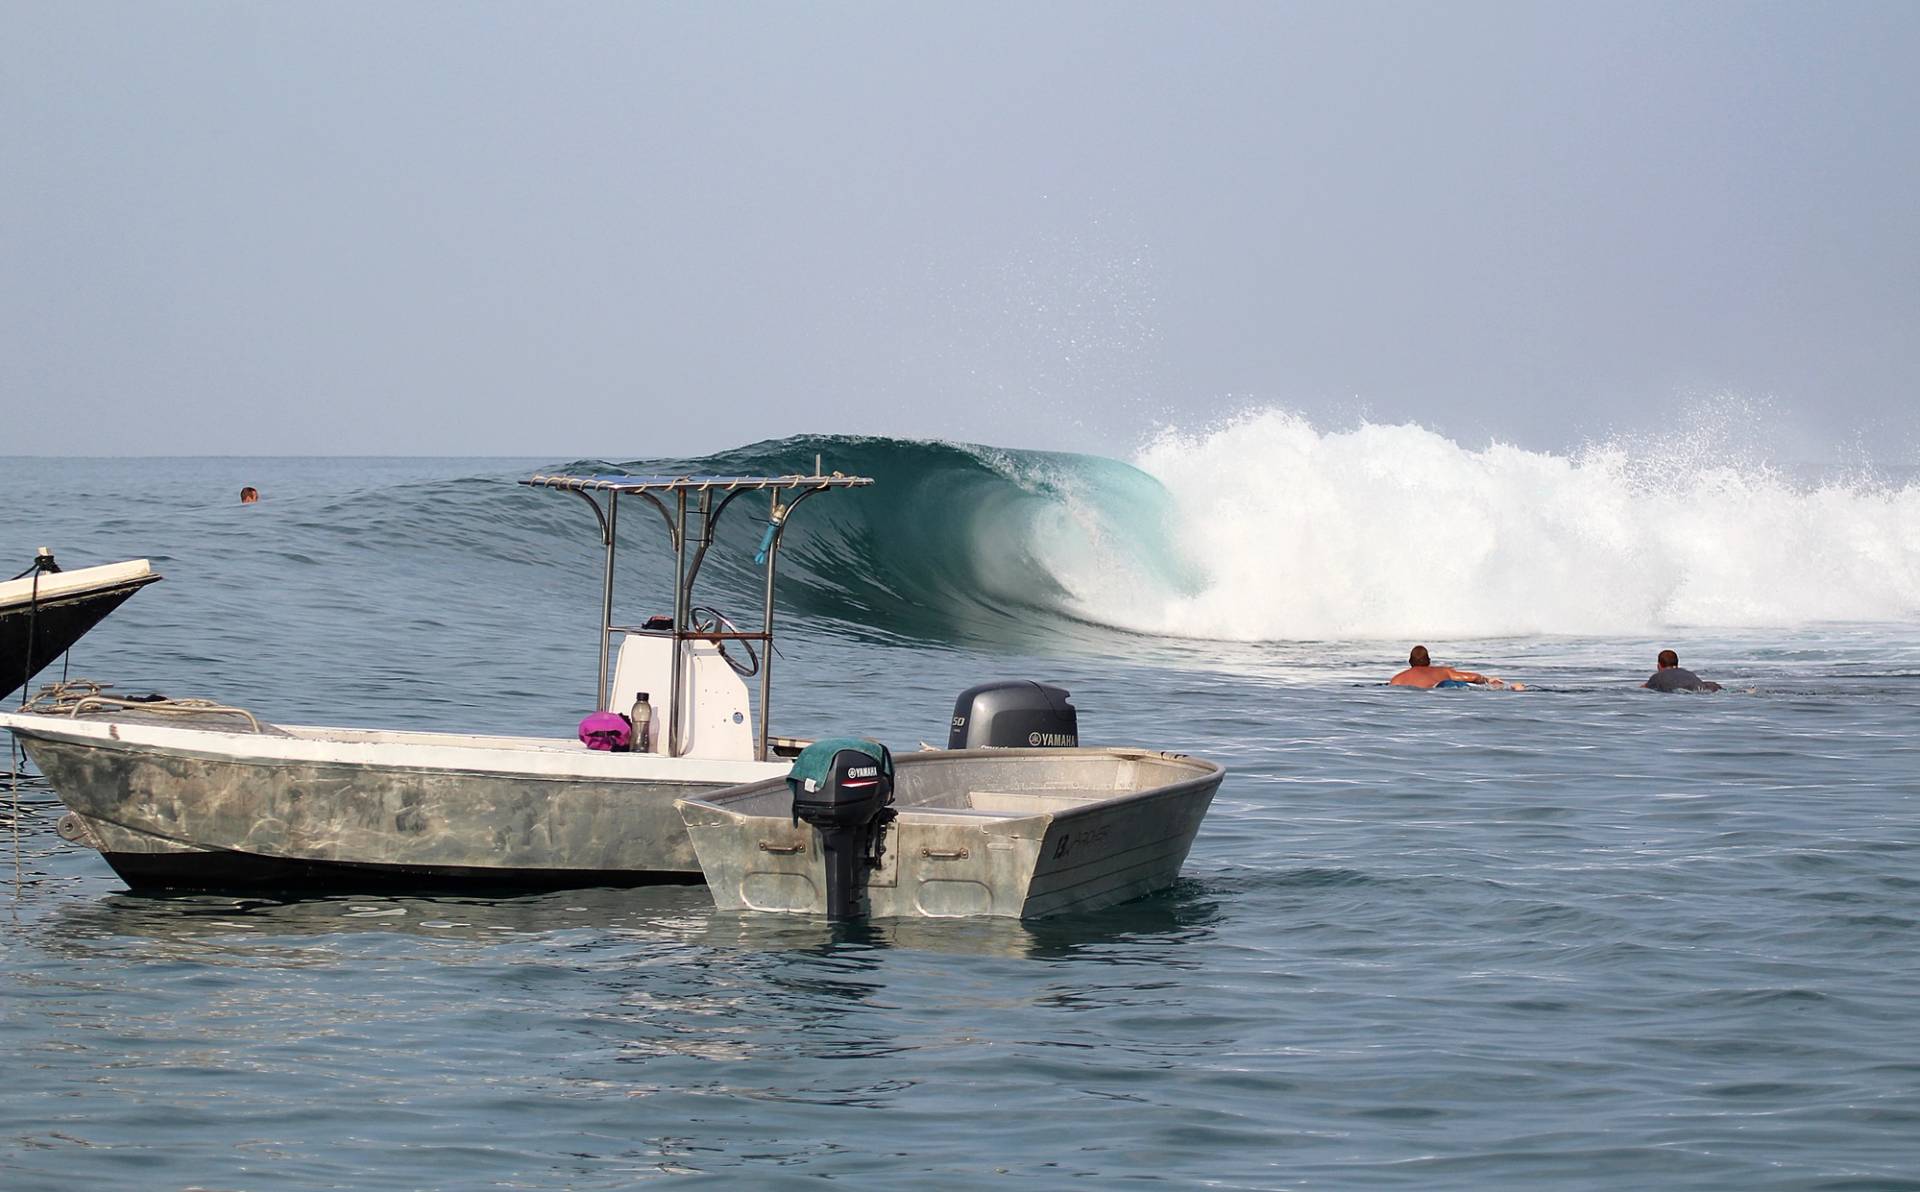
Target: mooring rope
[41, 562]
[72, 697]
[33, 621]
[53, 699]
[15, 759]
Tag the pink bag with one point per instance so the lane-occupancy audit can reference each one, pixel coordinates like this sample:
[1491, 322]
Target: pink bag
[608, 731]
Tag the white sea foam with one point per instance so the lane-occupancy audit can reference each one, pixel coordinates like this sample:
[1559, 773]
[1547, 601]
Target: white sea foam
[1398, 532]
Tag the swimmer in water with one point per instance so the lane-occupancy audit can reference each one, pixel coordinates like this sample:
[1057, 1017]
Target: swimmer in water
[1673, 677]
[1421, 672]
[249, 495]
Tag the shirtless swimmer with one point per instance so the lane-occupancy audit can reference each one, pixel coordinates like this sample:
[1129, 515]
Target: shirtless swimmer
[1421, 672]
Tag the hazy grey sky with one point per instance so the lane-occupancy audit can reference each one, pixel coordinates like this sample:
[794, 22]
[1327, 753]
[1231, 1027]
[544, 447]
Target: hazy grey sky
[622, 229]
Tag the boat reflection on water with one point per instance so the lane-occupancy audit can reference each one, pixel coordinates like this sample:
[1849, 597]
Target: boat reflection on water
[1174, 918]
[676, 917]
[200, 922]
[611, 993]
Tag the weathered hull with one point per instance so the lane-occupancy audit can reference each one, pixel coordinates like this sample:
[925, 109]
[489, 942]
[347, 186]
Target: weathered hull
[170, 816]
[34, 634]
[215, 871]
[1000, 833]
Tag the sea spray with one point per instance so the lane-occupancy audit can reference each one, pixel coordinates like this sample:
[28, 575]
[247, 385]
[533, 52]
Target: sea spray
[1397, 531]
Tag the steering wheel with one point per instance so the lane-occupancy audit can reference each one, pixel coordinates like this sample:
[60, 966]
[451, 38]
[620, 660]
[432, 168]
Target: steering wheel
[712, 620]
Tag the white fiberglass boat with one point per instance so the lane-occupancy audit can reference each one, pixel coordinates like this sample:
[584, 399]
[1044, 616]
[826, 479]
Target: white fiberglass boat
[193, 795]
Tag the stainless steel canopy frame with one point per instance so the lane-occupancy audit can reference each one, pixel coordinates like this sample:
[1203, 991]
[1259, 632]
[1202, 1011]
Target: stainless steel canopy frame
[688, 506]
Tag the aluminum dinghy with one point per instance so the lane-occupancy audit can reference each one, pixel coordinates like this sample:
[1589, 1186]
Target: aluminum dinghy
[1009, 833]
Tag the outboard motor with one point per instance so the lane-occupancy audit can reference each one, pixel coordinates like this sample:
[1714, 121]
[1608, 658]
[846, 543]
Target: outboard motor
[843, 786]
[1014, 714]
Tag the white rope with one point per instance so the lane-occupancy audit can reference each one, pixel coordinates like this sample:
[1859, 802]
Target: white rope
[74, 696]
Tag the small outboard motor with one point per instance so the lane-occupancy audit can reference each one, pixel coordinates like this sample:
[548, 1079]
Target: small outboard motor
[1014, 714]
[843, 786]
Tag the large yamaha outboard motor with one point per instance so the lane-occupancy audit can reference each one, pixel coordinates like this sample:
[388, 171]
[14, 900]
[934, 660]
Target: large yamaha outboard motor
[1014, 714]
[844, 788]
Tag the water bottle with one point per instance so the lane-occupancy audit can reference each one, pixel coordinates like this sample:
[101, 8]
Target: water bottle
[642, 718]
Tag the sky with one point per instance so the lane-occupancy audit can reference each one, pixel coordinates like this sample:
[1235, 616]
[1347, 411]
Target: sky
[623, 230]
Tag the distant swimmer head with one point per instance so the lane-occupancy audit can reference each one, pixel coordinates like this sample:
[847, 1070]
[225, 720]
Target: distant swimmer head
[1668, 658]
[249, 495]
[1419, 657]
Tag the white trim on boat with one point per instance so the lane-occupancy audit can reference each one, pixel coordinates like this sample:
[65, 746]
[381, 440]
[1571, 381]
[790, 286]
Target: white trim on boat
[543, 757]
[56, 584]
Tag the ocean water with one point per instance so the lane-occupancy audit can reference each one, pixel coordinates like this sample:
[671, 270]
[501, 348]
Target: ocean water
[1582, 936]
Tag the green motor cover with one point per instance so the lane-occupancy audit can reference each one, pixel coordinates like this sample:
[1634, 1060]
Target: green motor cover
[815, 764]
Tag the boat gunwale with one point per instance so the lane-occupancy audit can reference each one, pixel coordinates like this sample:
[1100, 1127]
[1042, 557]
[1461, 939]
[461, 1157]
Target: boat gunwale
[418, 752]
[58, 587]
[722, 801]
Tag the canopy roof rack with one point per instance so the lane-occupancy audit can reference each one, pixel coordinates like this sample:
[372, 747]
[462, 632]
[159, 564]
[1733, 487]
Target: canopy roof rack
[690, 522]
[623, 483]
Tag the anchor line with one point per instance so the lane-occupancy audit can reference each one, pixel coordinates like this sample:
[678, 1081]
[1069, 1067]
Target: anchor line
[15, 758]
[33, 619]
[42, 564]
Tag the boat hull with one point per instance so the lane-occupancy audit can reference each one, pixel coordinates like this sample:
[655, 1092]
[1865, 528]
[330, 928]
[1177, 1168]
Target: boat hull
[190, 809]
[36, 632]
[1024, 833]
[218, 871]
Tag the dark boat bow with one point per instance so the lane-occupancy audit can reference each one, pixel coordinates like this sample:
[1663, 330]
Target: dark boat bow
[46, 610]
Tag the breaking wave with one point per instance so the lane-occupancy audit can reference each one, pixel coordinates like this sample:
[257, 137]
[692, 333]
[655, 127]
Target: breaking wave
[1267, 528]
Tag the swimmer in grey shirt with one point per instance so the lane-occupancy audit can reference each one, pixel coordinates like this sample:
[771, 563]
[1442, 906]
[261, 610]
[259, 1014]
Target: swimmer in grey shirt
[1673, 677]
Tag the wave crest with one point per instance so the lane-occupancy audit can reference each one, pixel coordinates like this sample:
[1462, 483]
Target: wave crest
[1267, 528]
[1396, 531]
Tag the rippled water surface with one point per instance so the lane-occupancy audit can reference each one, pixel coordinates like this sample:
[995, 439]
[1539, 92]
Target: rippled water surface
[1582, 937]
